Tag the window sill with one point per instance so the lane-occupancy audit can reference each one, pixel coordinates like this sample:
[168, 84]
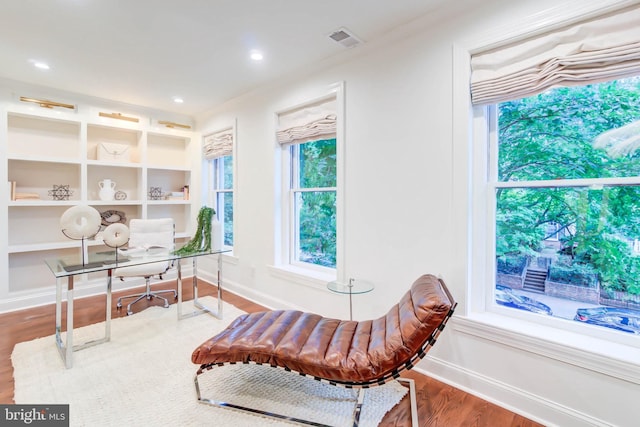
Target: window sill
[606, 357]
[302, 276]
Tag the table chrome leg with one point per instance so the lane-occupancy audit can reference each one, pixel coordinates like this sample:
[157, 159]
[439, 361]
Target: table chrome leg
[107, 323]
[196, 303]
[68, 356]
[194, 280]
[219, 284]
[179, 283]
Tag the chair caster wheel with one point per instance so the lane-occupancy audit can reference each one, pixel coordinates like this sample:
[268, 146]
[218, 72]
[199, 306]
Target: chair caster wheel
[166, 305]
[118, 306]
[129, 313]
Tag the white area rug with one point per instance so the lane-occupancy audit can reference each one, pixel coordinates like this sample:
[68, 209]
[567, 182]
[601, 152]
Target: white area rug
[144, 377]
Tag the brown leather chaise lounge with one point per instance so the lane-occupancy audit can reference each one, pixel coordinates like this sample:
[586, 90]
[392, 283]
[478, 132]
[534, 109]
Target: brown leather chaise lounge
[345, 353]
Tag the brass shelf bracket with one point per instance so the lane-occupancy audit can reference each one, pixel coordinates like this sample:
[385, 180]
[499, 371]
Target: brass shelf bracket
[119, 116]
[45, 103]
[173, 124]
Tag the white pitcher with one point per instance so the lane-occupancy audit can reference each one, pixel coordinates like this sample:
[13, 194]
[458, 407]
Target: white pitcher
[107, 189]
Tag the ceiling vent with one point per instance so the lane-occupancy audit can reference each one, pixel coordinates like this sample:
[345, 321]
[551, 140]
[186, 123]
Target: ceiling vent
[345, 37]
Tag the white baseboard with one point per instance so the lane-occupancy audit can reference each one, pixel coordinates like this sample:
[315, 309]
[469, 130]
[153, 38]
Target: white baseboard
[250, 294]
[533, 407]
[40, 297]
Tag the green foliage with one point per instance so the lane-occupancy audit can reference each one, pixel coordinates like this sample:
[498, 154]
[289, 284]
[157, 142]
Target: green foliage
[202, 239]
[511, 264]
[575, 274]
[317, 209]
[550, 136]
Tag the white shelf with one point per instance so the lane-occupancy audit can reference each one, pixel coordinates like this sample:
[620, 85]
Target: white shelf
[39, 158]
[46, 148]
[169, 202]
[42, 203]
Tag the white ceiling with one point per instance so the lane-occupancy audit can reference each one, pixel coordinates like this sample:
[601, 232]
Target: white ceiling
[145, 52]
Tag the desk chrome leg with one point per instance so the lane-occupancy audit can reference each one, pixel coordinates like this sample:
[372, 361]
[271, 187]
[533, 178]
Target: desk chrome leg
[194, 280]
[196, 303]
[107, 322]
[65, 349]
[179, 283]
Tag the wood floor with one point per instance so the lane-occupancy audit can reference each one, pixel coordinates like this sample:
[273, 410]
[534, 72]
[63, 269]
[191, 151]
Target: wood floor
[439, 405]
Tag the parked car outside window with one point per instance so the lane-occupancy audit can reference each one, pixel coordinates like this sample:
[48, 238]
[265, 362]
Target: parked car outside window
[506, 297]
[620, 319]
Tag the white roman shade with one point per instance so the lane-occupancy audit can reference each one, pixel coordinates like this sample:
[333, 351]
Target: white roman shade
[604, 48]
[218, 144]
[311, 122]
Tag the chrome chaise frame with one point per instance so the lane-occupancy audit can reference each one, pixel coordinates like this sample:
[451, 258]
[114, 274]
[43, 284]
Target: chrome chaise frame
[393, 375]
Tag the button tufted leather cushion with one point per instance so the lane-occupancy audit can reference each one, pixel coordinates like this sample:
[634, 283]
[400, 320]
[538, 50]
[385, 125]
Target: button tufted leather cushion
[335, 350]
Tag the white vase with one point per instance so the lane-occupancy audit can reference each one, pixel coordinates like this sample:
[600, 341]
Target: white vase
[107, 189]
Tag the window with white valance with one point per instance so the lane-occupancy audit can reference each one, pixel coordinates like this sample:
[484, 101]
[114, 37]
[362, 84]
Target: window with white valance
[309, 140]
[558, 160]
[601, 49]
[218, 144]
[218, 153]
[312, 122]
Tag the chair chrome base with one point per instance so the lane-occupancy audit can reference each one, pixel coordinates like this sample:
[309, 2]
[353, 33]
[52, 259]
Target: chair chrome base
[356, 410]
[148, 294]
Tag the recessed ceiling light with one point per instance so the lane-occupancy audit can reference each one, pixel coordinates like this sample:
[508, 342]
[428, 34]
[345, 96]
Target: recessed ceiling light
[178, 100]
[256, 55]
[41, 65]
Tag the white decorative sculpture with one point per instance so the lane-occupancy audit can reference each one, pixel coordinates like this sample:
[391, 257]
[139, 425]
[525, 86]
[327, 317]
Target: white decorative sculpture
[79, 223]
[115, 236]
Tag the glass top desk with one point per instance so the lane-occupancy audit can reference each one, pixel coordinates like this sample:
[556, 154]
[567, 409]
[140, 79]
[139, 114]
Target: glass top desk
[71, 266]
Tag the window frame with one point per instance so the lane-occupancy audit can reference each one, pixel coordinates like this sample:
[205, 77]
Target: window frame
[218, 190]
[300, 272]
[493, 184]
[477, 314]
[214, 171]
[294, 225]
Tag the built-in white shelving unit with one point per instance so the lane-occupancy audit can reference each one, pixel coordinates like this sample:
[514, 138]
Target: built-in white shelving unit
[57, 146]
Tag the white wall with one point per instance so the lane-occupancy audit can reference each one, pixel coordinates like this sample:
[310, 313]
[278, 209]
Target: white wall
[404, 206]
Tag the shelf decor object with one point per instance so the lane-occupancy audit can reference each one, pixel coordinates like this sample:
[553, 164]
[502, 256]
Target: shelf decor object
[79, 223]
[44, 103]
[107, 189]
[202, 239]
[112, 152]
[60, 192]
[155, 193]
[112, 217]
[115, 236]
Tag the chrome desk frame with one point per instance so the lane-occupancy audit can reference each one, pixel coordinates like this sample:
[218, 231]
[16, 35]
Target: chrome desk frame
[66, 346]
[201, 308]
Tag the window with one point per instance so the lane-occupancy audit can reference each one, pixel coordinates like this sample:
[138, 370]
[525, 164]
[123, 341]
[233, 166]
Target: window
[218, 152]
[555, 183]
[222, 189]
[566, 187]
[311, 182]
[313, 203]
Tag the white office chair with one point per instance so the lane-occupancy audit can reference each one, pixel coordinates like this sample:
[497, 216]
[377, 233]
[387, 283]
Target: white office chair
[147, 235]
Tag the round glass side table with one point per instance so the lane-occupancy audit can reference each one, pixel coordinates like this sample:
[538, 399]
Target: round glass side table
[354, 286]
